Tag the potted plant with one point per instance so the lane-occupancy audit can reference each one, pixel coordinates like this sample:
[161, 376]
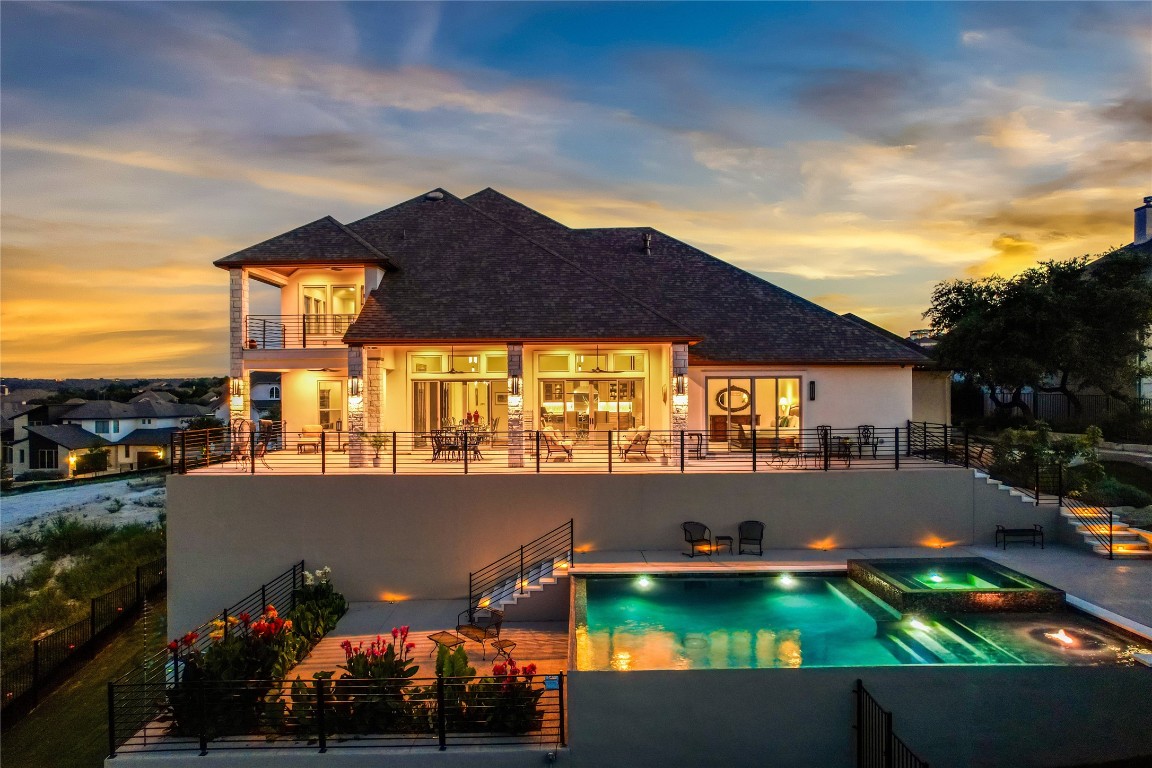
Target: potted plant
[379, 441]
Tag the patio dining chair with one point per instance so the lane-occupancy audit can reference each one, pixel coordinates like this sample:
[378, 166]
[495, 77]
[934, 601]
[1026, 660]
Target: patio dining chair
[446, 444]
[866, 436]
[241, 435]
[698, 536]
[480, 625]
[751, 533]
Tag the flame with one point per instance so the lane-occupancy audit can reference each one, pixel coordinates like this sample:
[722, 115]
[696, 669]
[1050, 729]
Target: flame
[1062, 636]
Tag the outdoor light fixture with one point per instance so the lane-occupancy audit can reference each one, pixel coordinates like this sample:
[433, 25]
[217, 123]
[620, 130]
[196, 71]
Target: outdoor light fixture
[355, 391]
[644, 582]
[680, 384]
[236, 389]
[787, 580]
[917, 624]
[811, 390]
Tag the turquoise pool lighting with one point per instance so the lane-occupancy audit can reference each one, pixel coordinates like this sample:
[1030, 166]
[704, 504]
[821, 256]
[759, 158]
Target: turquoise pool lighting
[762, 621]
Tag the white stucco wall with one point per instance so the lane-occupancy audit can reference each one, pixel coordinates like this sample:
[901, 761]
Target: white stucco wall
[395, 537]
[932, 396]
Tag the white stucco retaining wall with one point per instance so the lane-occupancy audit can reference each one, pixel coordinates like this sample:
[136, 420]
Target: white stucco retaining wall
[407, 537]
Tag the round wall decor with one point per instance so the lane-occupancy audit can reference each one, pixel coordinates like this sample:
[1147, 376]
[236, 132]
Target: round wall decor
[733, 399]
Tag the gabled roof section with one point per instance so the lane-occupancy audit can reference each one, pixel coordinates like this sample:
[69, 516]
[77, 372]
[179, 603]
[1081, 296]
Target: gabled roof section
[141, 409]
[740, 317]
[462, 275]
[71, 436]
[324, 241]
[149, 437]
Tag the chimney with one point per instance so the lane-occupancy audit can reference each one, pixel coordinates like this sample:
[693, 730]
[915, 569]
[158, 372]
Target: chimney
[1141, 234]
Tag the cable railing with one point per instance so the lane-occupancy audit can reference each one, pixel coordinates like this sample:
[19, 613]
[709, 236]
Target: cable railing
[58, 653]
[295, 331]
[513, 573]
[1098, 522]
[434, 712]
[547, 451]
[876, 744]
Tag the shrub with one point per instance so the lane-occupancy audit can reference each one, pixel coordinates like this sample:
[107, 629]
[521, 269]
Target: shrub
[63, 535]
[42, 474]
[113, 560]
[318, 605]
[1110, 492]
[114, 506]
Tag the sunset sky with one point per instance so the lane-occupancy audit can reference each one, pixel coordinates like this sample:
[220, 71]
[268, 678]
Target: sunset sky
[854, 153]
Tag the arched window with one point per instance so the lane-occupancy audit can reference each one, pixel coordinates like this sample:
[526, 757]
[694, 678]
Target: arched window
[274, 392]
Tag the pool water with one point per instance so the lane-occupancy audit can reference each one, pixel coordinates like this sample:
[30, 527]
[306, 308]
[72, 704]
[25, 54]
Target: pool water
[636, 622]
[943, 575]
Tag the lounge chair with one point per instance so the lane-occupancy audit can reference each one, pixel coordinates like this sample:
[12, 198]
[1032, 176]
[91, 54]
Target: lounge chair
[751, 532]
[480, 625]
[309, 439]
[698, 536]
[556, 444]
[638, 444]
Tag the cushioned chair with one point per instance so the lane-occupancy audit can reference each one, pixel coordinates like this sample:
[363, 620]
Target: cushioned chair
[555, 443]
[638, 444]
[751, 535]
[698, 536]
[309, 439]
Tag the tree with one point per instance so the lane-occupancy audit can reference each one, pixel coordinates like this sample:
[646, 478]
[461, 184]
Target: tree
[1057, 327]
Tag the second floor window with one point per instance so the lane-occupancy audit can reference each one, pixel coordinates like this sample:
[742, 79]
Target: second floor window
[273, 392]
[105, 426]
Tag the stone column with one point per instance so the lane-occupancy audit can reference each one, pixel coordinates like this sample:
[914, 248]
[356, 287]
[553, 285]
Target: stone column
[515, 405]
[358, 450]
[239, 397]
[679, 394]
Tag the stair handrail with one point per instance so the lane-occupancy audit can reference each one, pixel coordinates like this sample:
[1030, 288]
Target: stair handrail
[1092, 517]
[555, 543]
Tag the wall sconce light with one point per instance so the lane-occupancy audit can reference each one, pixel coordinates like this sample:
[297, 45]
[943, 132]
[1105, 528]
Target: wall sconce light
[811, 390]
[236, 390]
[515, 384]
[355, 391]
[680, 384]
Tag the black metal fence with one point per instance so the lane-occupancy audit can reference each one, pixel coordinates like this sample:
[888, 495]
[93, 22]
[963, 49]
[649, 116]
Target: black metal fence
[472, 451]
[436, 713]
[876, 744]
[134, 712]
[58, 653]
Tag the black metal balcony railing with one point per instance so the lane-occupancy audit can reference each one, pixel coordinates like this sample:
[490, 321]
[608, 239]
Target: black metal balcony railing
[437, 713]
[471, 451]
[295, 331]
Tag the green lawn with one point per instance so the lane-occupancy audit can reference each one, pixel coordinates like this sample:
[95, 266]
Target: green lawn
[70, 727]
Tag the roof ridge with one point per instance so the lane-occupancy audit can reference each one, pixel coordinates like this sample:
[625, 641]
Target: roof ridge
[371, 248]
[516, 202]
[581, 268]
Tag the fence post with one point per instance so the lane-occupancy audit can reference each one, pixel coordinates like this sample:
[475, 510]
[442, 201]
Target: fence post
[304, 331]
[889, 752]
[264, 590]
[395, 451]
[321, 729]
[896, 450]
[203, 709]
[681, 451]
[946, 445]
[92, 628]
[252, 451]
[520, 579]
[441, 715]
[753, 449]
[139, 591]
[609, 451]
[183, 452]
[858, 720]
[1059, 485]
[111, 720]
[560, 699]
[465, 436]
[537, 451]
[827, 450]
[909, 445]
[323, 453]
[35, 671]
[1037, 498]
[172, 453]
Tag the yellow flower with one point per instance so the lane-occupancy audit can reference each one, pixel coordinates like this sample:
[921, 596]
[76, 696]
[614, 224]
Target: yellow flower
[233, 621]
[217, 635]
[218, 624]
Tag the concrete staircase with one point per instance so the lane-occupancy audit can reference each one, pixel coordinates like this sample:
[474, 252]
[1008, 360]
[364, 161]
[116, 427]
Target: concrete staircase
[1126, 542]
[514, 589]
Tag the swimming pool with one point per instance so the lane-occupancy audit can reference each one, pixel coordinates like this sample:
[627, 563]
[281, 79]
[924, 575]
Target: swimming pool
[638, 622]
[953, 585]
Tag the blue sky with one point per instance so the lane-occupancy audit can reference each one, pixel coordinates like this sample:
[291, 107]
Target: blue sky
[855, 153]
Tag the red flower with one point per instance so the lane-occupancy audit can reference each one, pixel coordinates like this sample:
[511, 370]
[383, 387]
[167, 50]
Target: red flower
[404, 632]
[395, 633]
[174, 645]
[189, 638]
[410, 646]
[530, 670]
[499, 669]
[245, 618]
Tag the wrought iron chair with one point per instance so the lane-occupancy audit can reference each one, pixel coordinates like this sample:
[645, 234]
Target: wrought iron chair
[866, 435]
[698, 536]
[446, 444]
[241, 433]
[751, 532]
[480, 625]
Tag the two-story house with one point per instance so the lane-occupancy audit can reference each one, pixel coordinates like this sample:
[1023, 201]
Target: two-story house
[443, 307]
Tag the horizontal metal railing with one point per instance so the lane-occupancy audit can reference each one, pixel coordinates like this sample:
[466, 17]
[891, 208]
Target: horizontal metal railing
[295, 331]
[433, 712]
[472, 451]
[516, 565]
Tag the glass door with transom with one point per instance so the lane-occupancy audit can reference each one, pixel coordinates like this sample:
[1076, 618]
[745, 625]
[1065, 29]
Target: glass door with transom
[578, 407]
[444, 404]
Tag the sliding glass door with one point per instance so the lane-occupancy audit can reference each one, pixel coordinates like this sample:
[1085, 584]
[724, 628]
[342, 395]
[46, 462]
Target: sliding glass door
[440, 404]
[578, 407]
[736, 406]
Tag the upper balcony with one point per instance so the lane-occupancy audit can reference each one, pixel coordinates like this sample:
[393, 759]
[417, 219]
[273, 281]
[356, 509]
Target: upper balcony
[309, 331]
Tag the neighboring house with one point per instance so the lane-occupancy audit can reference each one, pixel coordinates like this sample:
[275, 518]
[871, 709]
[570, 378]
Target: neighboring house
[135, 434]
[265, 392]
[156, 396]
[441, 306]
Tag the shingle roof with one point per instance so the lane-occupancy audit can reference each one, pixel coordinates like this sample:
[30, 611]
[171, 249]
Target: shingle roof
[71, 436]
[156, 396]
[162, 436]
[323, 241]
[464, 276]
[141, 409]
[740, 317]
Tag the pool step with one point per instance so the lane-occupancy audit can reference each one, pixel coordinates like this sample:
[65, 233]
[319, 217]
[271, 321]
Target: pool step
[943, 641]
